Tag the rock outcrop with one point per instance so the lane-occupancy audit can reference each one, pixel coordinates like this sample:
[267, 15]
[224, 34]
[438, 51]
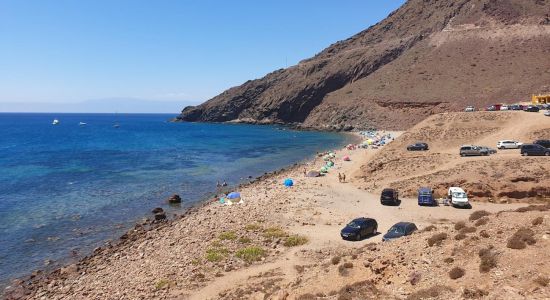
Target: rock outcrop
[426, 57]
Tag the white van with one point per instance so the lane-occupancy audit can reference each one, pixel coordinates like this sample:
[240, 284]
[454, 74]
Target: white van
[458, 197]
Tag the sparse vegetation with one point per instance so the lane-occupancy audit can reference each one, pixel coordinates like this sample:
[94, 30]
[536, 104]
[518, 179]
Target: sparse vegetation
[437, 239]
[274, 232]
[521, 239]
[460, 236]
[484, 234]
[545, 207]
[428, 293]
[476, 215]
[161, 284]
[335, 260]
[474, 293]
[253, 227]
[295, 240]
[468, 230]
[542, 281]
[482, 221]
[429, 228]
[216, 254]
[537, 221]
[348, 265]
[460, 225]
[488, 259]
[244, 240]
[456, 273]
[250, 254]
[449, 260]
[228, 235]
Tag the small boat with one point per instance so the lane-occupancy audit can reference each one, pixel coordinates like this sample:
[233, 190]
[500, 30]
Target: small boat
[55, 122]
[82, 124]
[116, 125]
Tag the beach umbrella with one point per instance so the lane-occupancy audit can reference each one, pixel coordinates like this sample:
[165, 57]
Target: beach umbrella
[346, 158]
[313, 174]
[234, 195]
[288, 182]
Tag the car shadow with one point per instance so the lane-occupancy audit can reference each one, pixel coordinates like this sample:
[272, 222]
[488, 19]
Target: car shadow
[369, 236]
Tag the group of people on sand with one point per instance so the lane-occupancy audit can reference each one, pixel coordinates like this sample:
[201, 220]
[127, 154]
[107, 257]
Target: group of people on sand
[218, 184]
[341, 177]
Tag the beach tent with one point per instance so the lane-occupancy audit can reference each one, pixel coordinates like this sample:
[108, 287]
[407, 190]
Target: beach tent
[346, 158]
[233, 195]
[330, 164]
[288, 182]
[313, 174]
[324, 169]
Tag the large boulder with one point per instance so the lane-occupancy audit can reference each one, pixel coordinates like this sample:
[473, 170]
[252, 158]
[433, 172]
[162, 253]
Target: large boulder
[174, 199]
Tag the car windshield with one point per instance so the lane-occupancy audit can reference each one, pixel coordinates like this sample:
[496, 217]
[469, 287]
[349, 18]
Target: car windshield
[397, 229]
[425, 193]
[353, 224]
[387, 193]
[459, 195]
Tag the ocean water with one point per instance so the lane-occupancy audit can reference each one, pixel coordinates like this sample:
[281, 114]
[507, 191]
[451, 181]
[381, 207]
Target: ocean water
[65, 189]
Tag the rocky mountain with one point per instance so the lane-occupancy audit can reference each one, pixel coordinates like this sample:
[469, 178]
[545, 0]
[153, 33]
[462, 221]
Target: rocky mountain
[426, 57]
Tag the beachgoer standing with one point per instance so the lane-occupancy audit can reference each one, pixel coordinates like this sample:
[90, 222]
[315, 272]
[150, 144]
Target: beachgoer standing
[224, 183]
[343, 177]
[339, 177]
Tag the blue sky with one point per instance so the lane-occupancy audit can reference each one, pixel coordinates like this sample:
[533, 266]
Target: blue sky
[187, 51]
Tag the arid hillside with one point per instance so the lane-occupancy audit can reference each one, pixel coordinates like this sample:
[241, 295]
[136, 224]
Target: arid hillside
[426, 57]
[501, 177]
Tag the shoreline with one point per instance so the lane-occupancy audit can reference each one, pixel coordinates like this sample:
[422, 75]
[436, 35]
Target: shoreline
[149, 224]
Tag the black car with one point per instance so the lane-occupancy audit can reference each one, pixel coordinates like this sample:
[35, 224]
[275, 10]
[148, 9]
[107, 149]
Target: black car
[399, 230]
[359, 228]
[515, 107]
[531, 108]
[544, 143]
[389, 197]
[534, 149]
[418, 147]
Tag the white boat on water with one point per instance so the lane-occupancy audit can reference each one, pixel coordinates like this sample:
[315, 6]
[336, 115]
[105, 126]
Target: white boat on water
[82, 124]
[55, 122]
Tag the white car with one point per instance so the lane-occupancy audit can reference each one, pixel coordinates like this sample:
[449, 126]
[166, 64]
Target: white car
[547, 113]
[508, 144]
[458, 197]
[469, 109]
[504, 107]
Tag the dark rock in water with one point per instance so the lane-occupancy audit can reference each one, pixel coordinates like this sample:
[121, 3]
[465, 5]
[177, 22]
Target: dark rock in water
[160, 216]
[174, 199]
[157, 210]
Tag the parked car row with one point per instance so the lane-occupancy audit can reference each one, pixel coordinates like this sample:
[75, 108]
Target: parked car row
[361, 228]
[418, 147]
[456, 197]
[500, 107]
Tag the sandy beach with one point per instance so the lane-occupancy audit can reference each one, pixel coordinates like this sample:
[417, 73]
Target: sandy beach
[216, 251]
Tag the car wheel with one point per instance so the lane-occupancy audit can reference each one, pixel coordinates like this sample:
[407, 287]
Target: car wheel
[358, 237]
[546, 153]
[375, 230]
[524, 154]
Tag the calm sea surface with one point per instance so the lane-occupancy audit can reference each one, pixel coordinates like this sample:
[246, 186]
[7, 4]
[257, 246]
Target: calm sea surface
[65, 189]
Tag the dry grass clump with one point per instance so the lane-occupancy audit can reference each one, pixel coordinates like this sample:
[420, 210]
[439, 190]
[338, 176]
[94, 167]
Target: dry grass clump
[488, 259]
[456, 273]
[474, 293]
[545, 207]
[484, 234]
[244, 240]
[306, 297]
[274, 232]
[482, 221]
[343, 268]
[542, 281]
[522, 238]
[216, 254]
[429, 228]
[228, 235]
[437, 239]
[335, 260]
[460, 225]
[460, 236]
[250, 254]
[537, 221]
[295, 240]
[479, 214]
[449, 260]
[468, 230]
[253, 227]
[428, 293]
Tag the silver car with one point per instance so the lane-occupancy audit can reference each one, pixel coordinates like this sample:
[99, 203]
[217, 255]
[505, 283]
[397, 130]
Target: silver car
[509, 144]
[470, 150]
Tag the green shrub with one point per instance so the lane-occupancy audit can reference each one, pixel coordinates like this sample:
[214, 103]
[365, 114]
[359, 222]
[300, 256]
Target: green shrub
[253, 227]
[244, 240]
[228, 235]
[216, 254]
[295, 240]
[161, 284]
[250, 254]
[274, 232]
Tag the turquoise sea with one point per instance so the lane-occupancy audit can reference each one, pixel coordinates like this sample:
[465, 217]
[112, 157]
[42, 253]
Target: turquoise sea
[65, 189]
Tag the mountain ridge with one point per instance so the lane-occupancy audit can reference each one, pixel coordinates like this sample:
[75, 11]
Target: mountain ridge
[391, 75]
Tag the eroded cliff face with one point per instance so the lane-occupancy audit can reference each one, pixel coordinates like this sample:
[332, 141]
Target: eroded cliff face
[428, 56]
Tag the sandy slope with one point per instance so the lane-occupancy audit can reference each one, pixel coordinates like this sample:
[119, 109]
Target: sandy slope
[169, 261]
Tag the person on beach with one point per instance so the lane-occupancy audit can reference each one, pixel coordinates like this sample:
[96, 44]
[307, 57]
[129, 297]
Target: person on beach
[224, 183]
[218, 184]
[343, 177]
[339, 177]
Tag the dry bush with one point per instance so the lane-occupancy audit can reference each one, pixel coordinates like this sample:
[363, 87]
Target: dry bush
[429, 228]
[335, 260]
[359, 290]
[306, 297]
[449, 260]
[484, 234]
[343, 270]
[537, 221]
[468, 230]
[479, 214]
[460, 236]
[437, 239]
[488, 259]
[432, 292]
[545, 207]
[460, 225]
[456, 273]
[482, 221]
[474, 293]
[521, 239]
[348, 265]
[542, 281]
[414, 277]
